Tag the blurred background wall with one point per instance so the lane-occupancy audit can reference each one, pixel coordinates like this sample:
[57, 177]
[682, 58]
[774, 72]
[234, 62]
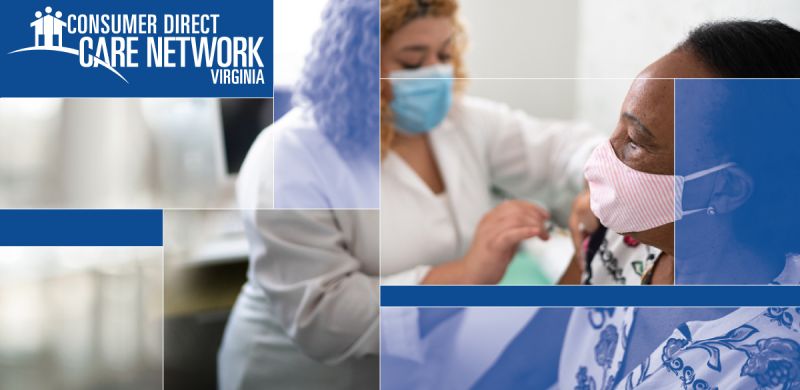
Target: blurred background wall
[596, 41]
[125, 153]
[80, 318]
[620, 38]
[523, 38]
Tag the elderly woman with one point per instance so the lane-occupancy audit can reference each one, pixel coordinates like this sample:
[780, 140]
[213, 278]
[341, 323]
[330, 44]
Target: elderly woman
[731, 141]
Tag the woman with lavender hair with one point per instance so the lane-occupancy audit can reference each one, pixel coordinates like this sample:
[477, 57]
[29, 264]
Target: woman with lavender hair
[307, 318]
[326, 150]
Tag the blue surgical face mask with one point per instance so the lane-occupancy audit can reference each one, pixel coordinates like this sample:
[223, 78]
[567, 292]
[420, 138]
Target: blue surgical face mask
[422, 97]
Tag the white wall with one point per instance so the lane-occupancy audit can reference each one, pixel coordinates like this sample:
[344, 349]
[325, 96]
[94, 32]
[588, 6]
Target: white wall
[604, 43]
[295, 24]
[619, 38]
[523, 38]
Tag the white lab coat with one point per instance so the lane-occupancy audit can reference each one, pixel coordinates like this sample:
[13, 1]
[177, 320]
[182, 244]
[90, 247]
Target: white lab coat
[480, 147]
[308, 316]
[292, 164]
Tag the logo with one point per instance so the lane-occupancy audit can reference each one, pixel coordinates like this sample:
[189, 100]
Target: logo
[118, 42]
[46, 28]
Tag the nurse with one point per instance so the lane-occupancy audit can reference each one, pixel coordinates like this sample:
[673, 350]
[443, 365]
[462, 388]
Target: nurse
[307, 318]
[446, 154]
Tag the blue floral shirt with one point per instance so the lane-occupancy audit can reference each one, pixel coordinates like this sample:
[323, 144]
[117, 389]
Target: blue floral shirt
[750, 348]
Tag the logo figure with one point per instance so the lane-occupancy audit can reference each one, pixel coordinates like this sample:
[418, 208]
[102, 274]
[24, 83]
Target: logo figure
[47, 27]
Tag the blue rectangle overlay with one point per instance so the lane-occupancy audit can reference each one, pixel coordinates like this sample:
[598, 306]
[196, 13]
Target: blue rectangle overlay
[142, 48]
[737, 183]
[590, 296]
[81, 228]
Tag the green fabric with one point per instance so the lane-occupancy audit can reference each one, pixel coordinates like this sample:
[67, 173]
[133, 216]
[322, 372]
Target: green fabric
[524, 269]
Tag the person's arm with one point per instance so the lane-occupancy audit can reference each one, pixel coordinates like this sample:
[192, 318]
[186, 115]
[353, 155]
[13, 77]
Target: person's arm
[543, 160]
[303, 262]
[534, 159]
[574, 272]
[582, 224]
[496, 240]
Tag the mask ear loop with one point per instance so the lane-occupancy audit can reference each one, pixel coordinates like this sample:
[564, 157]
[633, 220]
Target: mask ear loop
[710, 210]
[708, 171]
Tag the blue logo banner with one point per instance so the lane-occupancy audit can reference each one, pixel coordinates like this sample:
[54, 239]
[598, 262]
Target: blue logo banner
[137, 49]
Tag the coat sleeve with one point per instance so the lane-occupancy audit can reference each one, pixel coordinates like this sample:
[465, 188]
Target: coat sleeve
[305, 264]
[409, 277]
[529, 158]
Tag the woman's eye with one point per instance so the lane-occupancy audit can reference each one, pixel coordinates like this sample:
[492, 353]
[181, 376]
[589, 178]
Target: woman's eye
[410, 66]
[445, 58]
[632, 143]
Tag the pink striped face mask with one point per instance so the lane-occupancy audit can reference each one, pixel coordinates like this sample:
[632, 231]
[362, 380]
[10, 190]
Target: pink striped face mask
[626, 200]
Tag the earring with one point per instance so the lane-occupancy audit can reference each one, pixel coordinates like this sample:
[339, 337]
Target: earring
[711, 211]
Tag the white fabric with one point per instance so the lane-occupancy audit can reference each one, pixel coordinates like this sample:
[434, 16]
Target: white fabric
[308, 171]
[619, 262]
[479, 147]
[726, 353]
[308, 316]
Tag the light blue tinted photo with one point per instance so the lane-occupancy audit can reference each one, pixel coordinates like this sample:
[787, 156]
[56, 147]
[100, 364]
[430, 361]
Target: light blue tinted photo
[737, 220]
[325, 140]
[590, 348]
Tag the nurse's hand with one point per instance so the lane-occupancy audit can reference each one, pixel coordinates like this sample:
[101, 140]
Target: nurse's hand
[498, 236]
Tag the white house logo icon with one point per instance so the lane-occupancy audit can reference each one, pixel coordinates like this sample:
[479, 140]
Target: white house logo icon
[48, 32]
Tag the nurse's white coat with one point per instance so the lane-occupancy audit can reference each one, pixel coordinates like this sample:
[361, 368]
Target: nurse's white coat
[482, 148]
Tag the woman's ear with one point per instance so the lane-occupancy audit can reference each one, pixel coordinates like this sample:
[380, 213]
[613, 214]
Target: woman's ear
[732, 189]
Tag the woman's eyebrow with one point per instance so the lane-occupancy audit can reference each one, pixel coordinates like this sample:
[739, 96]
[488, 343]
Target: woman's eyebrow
[415, 48]
[638, 125]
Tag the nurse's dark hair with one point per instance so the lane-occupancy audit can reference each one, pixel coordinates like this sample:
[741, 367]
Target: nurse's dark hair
[747, 48]
[754, 124]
